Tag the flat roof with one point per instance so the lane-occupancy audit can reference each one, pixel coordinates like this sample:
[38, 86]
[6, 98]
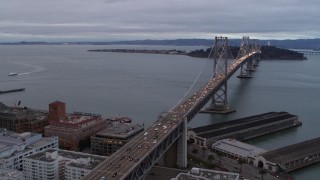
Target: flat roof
[121, 130]
[77, 159]
[237, 147]
[76, 118]
[18, 112]
[294, 151]
[237, 121]
[11, 140]
[37, 144]
[206, 174]
[219, 129]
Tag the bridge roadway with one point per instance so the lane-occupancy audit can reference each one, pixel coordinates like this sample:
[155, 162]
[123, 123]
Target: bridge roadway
[135, 158]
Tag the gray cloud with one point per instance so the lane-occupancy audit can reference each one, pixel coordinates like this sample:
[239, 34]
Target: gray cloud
[106, 20]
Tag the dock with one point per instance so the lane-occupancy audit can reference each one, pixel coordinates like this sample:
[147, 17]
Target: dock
[294, 157]
[12, 90]
[244, 128]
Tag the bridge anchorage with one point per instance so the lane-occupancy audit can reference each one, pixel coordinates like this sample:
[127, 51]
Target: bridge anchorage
[222, 60]
[165, 141]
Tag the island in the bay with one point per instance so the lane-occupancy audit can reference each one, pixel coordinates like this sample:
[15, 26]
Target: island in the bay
[267, 52]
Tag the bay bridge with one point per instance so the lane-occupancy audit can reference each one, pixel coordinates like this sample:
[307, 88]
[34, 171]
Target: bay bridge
[165, 141]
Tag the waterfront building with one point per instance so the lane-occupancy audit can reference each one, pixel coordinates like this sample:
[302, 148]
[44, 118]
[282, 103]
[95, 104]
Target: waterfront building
[242, 129]
[15, 146]
[236, 149]
[10, 174]
[59, 164]
[20, 120]
[206, 174]
[289, 158]
[72, 128]
[108, 141]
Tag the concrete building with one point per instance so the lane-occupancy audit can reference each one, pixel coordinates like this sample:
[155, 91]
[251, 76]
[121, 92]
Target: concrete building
[206, 174]
[73, 128]
[108, 141]
[14, 146]
[59, 164]
[10, 174]
[236, 149]
[20, 120]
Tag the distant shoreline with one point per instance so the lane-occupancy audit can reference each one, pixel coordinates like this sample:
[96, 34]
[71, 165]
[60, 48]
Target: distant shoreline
[143, 51]
[313, 44]
[267, 52]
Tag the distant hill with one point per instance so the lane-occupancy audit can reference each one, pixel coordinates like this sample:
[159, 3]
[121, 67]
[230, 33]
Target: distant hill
[267, 53]
[289, 44]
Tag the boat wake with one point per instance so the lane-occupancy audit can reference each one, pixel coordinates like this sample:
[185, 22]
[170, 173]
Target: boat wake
[36, 68]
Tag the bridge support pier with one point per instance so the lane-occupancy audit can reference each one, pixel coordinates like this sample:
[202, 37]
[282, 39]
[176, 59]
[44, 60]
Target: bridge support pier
[256, 59]
[176, 155]
[246, 69]
[250, 64]
[182, 147]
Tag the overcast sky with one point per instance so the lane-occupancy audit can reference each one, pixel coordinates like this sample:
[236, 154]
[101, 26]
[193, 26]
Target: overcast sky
[109, 20]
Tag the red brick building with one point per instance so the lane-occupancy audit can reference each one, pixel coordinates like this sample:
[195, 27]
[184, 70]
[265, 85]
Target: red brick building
[73, 127]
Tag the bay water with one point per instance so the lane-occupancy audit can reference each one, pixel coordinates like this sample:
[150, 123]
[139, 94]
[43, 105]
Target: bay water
[142, 86]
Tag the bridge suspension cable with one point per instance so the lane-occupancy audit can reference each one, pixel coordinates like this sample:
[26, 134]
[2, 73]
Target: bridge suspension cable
[220, 51]
[193, 84]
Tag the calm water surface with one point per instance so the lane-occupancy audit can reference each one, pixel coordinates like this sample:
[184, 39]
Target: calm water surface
[142, 86]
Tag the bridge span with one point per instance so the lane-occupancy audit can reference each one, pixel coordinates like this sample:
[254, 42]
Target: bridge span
[136, 158]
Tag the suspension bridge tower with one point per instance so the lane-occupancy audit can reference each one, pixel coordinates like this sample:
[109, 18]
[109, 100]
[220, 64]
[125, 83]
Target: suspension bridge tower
[221, 55]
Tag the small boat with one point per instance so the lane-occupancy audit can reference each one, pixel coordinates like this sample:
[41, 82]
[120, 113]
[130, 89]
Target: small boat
[13, 74]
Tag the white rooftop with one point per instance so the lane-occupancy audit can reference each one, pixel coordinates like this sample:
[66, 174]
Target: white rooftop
[237, 147]
[14, 143]
[75, 159]
[206, 174]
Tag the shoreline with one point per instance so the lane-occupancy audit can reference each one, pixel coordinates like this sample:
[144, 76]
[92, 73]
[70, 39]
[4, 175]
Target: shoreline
[273, 54]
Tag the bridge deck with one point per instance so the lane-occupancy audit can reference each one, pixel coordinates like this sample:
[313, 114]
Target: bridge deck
[135, 156]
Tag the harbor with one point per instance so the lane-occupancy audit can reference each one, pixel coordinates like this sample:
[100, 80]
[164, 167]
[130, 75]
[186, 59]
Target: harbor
[225, 139]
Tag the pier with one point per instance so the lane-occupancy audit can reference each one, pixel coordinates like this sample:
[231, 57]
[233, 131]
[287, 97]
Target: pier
[244, 128]
[12, 90]
[292, 157]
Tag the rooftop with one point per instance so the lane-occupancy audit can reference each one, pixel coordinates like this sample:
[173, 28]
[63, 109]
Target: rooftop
[287, 153]
[78, 117]
[77, 159]
[206, 174]
[12, 144]
[121, 130]
[233, 126]
[237, 147]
